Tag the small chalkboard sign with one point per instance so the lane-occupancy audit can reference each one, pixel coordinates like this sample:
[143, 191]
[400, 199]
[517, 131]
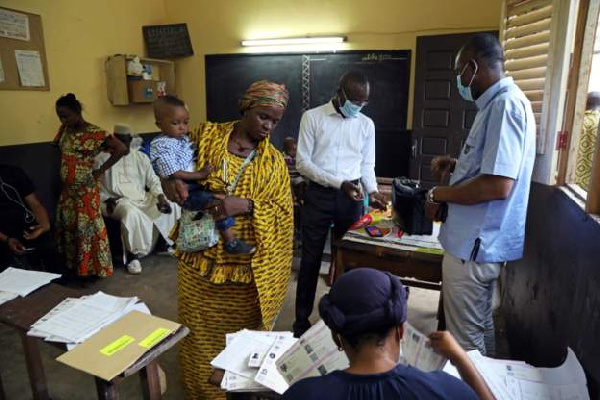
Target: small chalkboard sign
[167, 41]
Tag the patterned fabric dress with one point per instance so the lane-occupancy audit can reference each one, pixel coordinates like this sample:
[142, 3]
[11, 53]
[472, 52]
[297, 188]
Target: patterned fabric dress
[221, 293]
[585, 150]
[82, 237]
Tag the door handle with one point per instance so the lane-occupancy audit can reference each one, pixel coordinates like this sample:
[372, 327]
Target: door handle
[414, 148]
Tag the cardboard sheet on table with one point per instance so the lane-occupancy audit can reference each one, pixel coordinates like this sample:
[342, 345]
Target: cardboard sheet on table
[117, 346]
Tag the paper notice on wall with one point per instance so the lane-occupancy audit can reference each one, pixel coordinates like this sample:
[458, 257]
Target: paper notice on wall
[29, 64]
[14, 25]
[1, 71]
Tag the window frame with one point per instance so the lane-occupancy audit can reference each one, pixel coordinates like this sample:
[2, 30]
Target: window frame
[554, 92]
[577, 88]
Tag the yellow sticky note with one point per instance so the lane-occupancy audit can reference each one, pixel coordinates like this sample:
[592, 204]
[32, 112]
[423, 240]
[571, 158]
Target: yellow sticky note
[117, 345]
[155, 337]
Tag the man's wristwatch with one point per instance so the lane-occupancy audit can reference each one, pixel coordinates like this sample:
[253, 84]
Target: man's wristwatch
[431, 196]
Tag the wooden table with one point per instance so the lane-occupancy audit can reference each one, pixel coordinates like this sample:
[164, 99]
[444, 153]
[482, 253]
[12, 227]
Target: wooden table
[415, 268]
[21, 313]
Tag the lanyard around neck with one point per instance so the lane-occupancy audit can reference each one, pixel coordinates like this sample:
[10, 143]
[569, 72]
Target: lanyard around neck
[231, 187]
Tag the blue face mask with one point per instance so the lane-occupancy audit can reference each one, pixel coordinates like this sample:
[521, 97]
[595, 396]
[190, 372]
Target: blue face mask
[465, 91]
[349, 109]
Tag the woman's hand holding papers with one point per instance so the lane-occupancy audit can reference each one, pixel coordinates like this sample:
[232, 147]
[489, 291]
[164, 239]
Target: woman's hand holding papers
[444, 343]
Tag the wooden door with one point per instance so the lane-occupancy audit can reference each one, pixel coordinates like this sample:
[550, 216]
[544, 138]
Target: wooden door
[441, 118]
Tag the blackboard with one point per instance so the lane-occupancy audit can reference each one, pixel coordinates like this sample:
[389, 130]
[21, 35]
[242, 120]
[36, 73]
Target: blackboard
[389, 78]
[167, 41]
[312, 80]
[228, 77]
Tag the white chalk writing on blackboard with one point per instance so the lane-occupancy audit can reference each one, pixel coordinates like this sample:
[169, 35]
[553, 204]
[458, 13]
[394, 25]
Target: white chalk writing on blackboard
[165, 41]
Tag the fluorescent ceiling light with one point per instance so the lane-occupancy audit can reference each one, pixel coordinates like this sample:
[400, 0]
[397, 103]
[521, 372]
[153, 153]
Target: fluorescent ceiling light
[294, 41]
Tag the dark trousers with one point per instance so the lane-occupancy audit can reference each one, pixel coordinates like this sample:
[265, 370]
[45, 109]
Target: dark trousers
[198, 199]
[44, 257]
[322, 207]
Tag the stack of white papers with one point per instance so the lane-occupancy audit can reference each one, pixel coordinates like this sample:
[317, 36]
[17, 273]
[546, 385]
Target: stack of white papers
[249, 361]
[516, 380]
[7, 296]
[416, 351]
[74, 320]
[16, 282]
[424, 241]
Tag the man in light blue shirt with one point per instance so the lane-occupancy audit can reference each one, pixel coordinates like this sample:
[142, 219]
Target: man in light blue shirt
[488, 192]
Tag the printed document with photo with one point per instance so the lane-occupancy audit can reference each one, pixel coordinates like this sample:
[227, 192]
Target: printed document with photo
[314, 354]
[416, 351]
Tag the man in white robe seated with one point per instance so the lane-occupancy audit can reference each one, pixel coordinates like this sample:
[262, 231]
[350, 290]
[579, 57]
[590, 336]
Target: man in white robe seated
[131, 193]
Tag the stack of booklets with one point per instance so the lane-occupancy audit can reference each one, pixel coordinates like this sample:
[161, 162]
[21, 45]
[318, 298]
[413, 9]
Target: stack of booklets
[249, 361]
[76, 319]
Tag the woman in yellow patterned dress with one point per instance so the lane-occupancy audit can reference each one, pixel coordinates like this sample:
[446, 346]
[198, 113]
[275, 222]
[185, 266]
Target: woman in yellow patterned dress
[219, 292]
[82, 237]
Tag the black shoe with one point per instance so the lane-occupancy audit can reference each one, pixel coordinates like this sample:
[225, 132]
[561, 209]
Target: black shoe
[236, 246]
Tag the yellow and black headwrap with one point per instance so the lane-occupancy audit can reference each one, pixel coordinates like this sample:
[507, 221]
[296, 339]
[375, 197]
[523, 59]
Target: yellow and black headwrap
[264, 93]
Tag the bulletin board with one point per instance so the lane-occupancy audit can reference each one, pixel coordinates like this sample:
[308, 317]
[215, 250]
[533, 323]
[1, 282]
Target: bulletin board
[28, 49]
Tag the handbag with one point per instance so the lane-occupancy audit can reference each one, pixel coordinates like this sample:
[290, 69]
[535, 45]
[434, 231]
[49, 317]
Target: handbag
[408, 201]
[197, 230]
[196, 234]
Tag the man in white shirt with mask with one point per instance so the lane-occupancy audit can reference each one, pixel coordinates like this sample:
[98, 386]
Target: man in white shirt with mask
[336, 153]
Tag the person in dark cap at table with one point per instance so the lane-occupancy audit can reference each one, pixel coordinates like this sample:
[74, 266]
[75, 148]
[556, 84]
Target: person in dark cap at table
[365, 311]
